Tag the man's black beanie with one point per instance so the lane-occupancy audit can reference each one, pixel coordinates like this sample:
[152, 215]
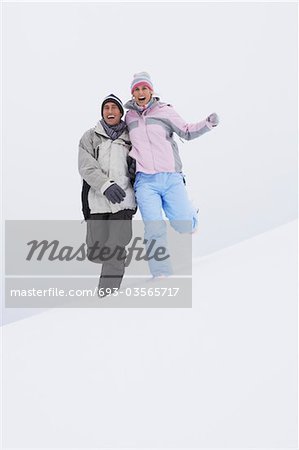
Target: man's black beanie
[114, 99]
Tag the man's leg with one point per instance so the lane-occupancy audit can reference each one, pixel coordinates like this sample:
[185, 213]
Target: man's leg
[96, 236]
[119, 235]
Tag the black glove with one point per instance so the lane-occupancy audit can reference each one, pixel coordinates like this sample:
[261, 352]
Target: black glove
[114, 193]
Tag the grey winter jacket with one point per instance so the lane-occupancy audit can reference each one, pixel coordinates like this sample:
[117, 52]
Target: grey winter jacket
[103, 162]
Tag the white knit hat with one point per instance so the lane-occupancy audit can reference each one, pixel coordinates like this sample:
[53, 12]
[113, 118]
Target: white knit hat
[141, 79]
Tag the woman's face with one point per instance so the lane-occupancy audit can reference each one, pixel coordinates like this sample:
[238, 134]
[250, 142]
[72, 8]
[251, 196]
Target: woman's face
[142, 95]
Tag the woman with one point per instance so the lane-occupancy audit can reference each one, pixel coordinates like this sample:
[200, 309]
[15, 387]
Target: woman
[159, 184]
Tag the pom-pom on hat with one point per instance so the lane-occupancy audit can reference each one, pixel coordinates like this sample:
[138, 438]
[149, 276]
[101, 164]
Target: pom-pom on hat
[141, 79]
[112, 98]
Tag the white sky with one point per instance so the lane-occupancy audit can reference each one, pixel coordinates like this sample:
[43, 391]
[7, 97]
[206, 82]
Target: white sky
[237, 59]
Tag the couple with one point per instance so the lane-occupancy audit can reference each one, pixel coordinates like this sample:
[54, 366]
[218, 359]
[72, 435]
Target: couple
[130, 163]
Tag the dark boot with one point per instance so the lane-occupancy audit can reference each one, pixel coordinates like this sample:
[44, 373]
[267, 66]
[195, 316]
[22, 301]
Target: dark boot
[111, 277]
[109, 285]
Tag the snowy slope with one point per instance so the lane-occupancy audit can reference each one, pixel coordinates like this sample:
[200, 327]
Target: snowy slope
[220, 374]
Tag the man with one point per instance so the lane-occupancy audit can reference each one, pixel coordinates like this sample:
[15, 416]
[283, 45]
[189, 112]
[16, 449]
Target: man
[107, 196]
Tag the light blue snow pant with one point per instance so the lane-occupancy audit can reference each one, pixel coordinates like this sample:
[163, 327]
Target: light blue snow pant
[167, 191]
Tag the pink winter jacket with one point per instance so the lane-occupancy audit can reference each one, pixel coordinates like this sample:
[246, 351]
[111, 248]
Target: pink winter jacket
[151, 134]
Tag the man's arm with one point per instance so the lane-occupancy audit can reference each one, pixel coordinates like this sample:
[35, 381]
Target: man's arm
[89, 167]
[131, 169]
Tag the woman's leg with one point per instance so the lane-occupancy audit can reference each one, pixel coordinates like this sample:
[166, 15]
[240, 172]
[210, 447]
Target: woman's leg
[177, 206]
[148, 190]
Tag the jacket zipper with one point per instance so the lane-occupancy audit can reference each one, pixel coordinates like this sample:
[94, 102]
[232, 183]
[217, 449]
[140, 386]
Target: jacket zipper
[143, 118]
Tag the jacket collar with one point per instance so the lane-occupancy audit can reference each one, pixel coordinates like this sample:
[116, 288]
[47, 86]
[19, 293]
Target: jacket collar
[131, 105]
[100, 130]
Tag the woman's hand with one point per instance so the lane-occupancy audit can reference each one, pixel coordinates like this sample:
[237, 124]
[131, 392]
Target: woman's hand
[213, 119]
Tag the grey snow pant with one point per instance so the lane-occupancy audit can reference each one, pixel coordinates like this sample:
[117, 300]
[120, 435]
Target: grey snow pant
[107, 236]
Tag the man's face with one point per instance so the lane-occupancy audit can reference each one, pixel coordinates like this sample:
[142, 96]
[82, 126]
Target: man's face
[142, 95]
[111, 113]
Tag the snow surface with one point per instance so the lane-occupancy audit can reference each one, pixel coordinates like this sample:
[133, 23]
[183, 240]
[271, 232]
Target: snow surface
[221, 374]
